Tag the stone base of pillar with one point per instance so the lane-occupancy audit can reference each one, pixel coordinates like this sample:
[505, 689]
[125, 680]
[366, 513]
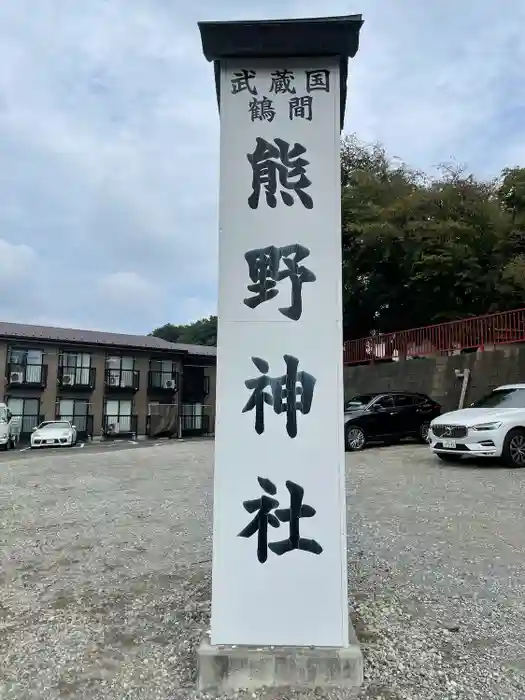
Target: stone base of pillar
[225, 669]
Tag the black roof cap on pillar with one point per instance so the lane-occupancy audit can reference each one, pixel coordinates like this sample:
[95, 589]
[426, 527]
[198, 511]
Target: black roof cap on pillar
[283, 38]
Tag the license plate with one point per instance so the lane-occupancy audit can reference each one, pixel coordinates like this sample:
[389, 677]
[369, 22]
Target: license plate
[449, 444]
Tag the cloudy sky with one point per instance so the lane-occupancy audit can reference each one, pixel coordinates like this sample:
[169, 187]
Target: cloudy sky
[109, 137]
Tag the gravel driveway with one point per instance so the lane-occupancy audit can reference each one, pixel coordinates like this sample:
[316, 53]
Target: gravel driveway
[105, 578]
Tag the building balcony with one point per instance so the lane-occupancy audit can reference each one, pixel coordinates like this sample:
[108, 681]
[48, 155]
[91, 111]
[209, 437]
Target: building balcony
[122, 379]
[116, 426]
[30, 376]
[77, 378]
[163, 382]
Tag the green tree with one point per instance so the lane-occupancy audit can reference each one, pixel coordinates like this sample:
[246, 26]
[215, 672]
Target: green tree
[202, 332]
[372, 258]
[511, 192]
[421, 250]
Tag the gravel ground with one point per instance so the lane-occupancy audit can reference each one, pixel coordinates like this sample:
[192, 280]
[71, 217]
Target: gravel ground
[105, 578]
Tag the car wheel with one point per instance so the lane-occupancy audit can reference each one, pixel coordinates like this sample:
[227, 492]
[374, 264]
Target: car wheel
[452, 459]
[423, 432]
[514, 448]
[355, 438]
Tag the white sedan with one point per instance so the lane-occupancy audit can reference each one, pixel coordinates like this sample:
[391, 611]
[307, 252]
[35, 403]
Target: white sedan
[54, 433]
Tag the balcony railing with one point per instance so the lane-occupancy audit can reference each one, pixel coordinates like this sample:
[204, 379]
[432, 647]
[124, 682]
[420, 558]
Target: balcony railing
[195, 419]
[113, 426]
[127, 379]
[34, 376]
[163, 381]
[76, 377]
[443, 338]
[83, 423]
[24, 424]
[165, 421]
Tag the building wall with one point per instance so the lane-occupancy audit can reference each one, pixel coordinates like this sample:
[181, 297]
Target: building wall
[141, 398]
[437, 378]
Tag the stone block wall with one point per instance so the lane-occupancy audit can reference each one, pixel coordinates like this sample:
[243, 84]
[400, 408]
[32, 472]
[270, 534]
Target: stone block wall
[436, 376]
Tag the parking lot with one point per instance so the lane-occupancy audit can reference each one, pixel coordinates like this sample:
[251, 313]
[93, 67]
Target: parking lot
[106, 558]
[23, 450]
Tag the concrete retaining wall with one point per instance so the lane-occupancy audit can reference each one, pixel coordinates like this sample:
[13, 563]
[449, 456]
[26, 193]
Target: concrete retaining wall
[436, 376]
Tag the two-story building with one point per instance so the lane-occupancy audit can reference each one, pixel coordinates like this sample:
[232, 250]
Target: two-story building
[107, 384]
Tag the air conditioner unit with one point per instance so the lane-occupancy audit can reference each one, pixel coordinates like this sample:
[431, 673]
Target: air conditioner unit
[68, 379]
[113, 380]
[16, 378]
[170, 384]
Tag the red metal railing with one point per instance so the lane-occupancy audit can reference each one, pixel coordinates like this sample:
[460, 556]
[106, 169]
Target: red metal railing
[454, 336]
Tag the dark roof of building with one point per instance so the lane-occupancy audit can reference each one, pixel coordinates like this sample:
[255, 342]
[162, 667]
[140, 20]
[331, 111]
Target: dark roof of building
[283, 38]
[78, 336]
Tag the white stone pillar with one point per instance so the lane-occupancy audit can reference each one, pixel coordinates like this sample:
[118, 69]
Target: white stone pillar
[279, 539]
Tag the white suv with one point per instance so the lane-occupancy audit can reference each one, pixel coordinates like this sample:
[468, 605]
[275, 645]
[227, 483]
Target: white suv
[491, 427]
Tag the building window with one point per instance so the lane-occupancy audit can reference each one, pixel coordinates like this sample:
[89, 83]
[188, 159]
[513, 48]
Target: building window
[75, 368]
[163, 374]
[26, 365]
[26, 413]
[76, 411]
[120, 371]
[192, 417]
[118, 417]
[118, 362]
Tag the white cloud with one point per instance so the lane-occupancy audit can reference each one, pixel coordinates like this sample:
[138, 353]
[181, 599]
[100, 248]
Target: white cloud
[122, 286]
[125, 295]
[17, 261]
[22, 280]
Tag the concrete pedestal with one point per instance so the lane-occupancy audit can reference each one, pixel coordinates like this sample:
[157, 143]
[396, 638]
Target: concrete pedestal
[226, 669]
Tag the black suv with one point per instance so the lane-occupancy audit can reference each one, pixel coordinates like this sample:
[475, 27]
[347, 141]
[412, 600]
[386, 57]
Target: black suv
[387, 417]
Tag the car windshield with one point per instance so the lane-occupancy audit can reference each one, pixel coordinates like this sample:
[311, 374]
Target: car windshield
[53, 425]
[502, 398]
[360, 401]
